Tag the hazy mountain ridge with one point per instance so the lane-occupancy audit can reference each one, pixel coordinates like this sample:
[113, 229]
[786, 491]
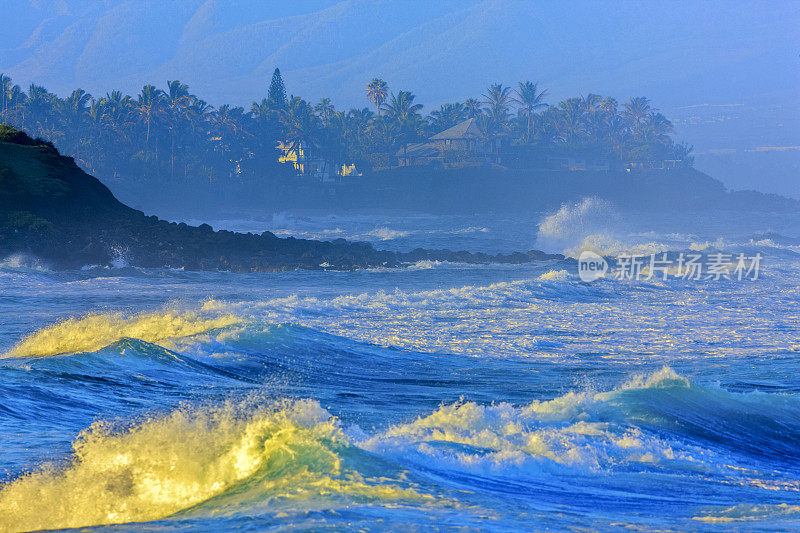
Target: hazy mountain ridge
[710, 52]
[227, 50]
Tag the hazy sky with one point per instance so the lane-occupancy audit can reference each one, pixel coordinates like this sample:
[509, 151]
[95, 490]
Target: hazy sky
[728, 72]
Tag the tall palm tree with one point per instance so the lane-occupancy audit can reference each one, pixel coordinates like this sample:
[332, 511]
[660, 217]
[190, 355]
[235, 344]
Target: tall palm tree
[74, 115]
[608, 106]
[230, 133]
[332, 139]
[531, 99]
[473, 108]
[5, 89]
[403, 114]
[39, 107]
[571, 123]
[357, 123]
[301, 126]
[656, 128]
[199, 114]
[447, 116]
[497, 100]
[636, 109]
[116, 113]
[263, 111]
[377, 90]
[325, 110]
[359, 118]
[149, 108]
[592, 101]
[177, 99]
[17, 100]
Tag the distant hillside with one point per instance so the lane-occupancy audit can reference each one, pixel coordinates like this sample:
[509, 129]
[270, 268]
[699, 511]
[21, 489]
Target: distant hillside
[680, 54]
[677, 53]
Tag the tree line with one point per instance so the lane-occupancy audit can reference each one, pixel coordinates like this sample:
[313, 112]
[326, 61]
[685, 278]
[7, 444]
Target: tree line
[170, 135]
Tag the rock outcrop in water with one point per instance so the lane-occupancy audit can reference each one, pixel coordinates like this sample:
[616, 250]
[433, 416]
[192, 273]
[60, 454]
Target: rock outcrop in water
[51, 209]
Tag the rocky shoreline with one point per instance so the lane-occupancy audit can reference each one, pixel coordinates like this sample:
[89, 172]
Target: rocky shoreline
[51, 209]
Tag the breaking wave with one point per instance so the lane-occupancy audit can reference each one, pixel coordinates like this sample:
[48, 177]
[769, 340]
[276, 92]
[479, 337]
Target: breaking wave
[96, 331]
[276, 455]
[572, 223]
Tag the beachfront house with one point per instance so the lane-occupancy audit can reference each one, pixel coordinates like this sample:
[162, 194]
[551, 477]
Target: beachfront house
[462, 143]
[313, 166]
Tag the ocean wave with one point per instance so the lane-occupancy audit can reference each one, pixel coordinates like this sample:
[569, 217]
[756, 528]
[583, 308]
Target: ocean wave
[572, 223]
[502, 438]
[440, 320]
[555, 275]
[387, 234]
[275, 456]
[94, 331]
[237, 455]
[644, 424]
[749, 513]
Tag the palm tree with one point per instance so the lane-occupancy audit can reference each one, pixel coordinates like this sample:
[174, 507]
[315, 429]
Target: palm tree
[656, 128]
[531, 100]
[199, 114]
[230, 128]
[359, 118]
[447, 116]
[332, 139]
[608, 106]
[177, 99]
[325, 110]
[636, 109]
[377, 90]
[473, 108]
[116, 113]
[403, 114]
[149, 108]
[74, 115]
[301, 126]
[497, 98]
[571, 124]
[592, 101]
[39, 106]
[17, 100]
[263, 111]
[5, 90]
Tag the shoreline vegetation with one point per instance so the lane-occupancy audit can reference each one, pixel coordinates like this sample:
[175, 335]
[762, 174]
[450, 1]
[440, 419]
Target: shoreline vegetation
[170, 139]
[170, 152]
[53, 211]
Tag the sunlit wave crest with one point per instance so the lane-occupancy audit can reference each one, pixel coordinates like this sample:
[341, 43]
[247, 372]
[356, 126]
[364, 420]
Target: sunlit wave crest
[277, 454]
[95, 331]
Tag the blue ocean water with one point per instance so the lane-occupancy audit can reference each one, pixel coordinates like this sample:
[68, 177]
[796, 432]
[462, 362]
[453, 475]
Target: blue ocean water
[438, 396]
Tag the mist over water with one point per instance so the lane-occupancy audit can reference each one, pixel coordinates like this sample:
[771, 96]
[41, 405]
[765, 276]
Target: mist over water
[485, 396]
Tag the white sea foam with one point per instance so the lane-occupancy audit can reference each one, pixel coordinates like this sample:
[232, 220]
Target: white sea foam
[568, 431]
[572, 223]
[22, 261]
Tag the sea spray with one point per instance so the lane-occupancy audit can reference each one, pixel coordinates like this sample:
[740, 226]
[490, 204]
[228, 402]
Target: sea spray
[287, 451]
[95, 331]
[572, 223]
